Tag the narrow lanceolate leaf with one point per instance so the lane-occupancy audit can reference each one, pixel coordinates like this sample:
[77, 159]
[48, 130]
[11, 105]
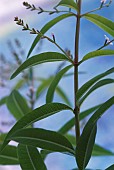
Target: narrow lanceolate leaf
[9, 156]
[50, 92]
[88, 84]
[30, 158]
[100, 151]
[65, 128]
[44, 139]
[39, 59]
[46, 28]
[68, 3]
[85, 144]
[17, 105]
[43, 86]
[36, 115]
[63, 96]
[3, 100]
[104, 23]
[84, 148]
[96, 86]
[110, 167]
[97, 53]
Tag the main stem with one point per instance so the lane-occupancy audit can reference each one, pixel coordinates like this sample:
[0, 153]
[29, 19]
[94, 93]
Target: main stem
[76, 108]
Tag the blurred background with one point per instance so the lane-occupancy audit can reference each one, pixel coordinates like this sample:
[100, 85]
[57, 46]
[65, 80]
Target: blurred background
[91, 38]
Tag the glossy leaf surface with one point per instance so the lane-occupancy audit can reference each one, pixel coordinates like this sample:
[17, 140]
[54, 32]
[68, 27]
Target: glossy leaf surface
[97, 53]
[44, 139]
[36, 115]
[84, 148]
[88, 84]
[39, 59]
[30, 158]
[68, 3]
[96, 86]
[102, 22]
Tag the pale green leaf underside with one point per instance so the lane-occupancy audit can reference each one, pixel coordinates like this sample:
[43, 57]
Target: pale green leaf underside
[44, 139]
[98, 53]
[104, 23]
[30, 158]
[68, 3]
[39, 59]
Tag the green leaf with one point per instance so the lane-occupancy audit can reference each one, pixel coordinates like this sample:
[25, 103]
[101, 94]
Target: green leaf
[3, 100]
[88, 84]
[50, 92]
[104, 23]
[65, 128]
[100, 151]
[19, 84]
[68, 3]
[97, 53]
[39, 59]
[43, 86]
[84, 147]
[36, 115]
[44, 139]
[46, 28]
[62, 94]
[30, 158]
[2, 137]
[9, 156]
[96, 86]
[85, 143]
[110, 168]
[17, 105]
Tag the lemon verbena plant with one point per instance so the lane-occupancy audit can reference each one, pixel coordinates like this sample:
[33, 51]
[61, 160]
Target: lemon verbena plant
[34, 144]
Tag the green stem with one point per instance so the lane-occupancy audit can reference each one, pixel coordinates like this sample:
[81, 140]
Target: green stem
[76, 109]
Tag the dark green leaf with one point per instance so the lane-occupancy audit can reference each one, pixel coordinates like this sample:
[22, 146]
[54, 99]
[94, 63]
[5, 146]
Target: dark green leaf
[39, 59]
[110, 168]
[97, 150]
[50, 92]
[30, 158]
[104, 23]
[65, 128]
[97, 53]
[44, 139]
[96, 86]
[84, 146]
[17, 104]
[88, 84]
[9, 156]
[36, 115]
[68, 3]
[3, 100]
[46, 28]
[2, 137]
